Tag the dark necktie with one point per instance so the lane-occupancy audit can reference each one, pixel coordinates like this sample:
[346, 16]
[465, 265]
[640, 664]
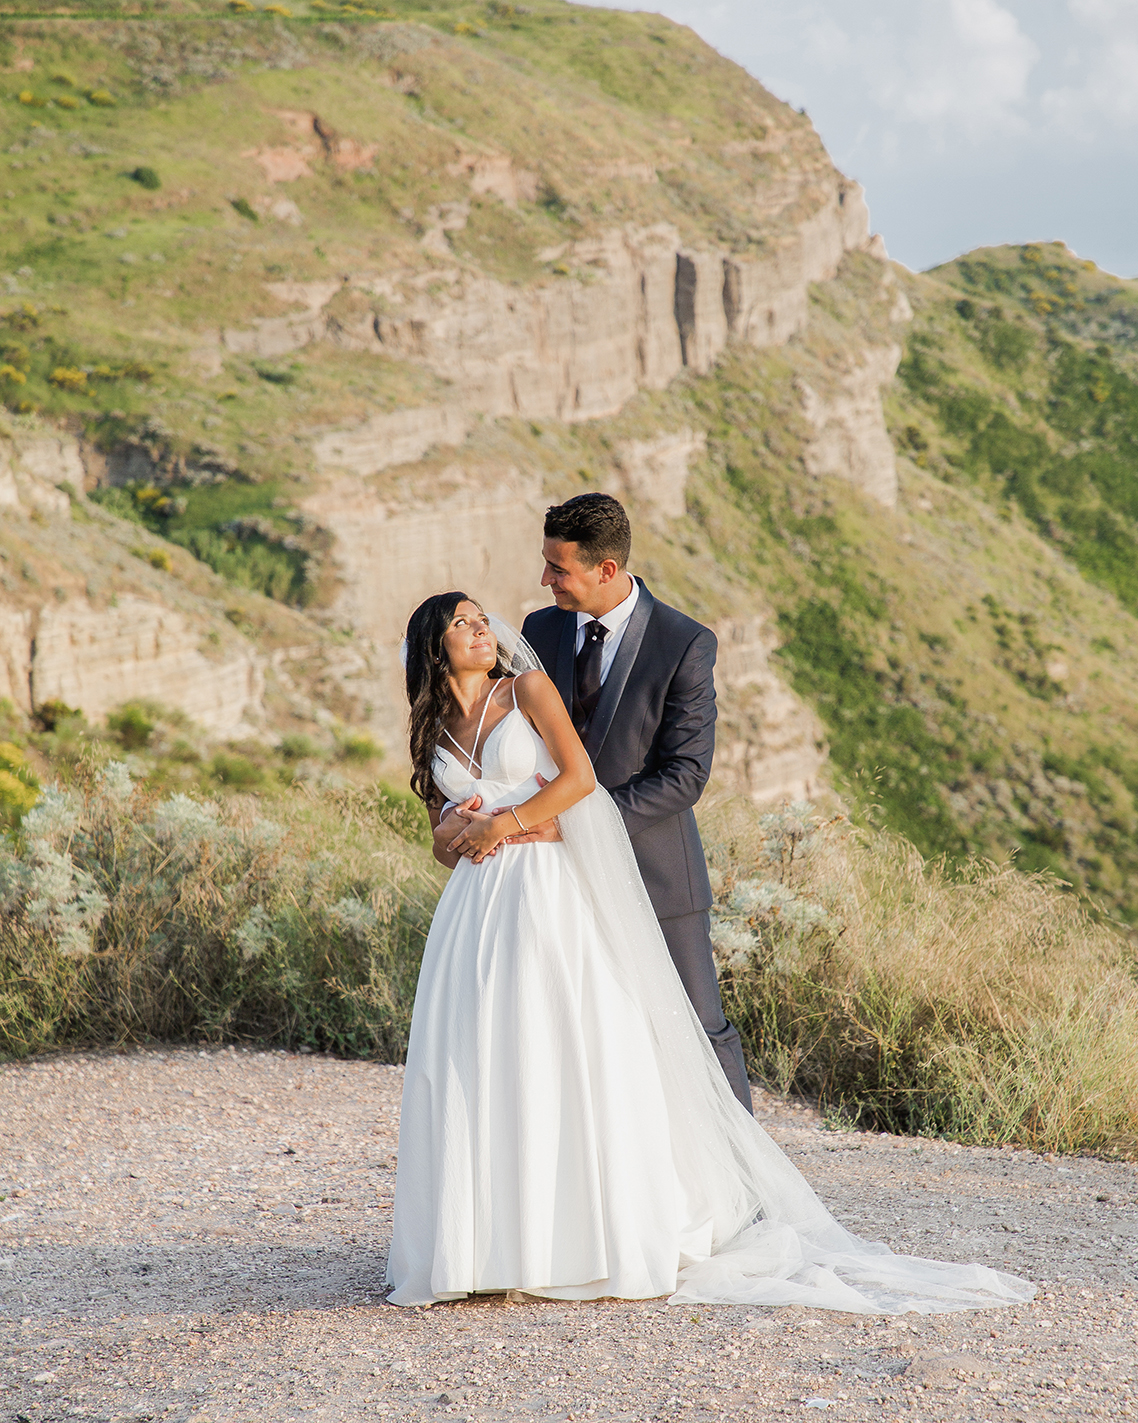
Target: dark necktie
[587, 675]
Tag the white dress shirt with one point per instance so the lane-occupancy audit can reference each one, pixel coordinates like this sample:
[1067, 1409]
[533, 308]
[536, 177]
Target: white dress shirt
[616, 621]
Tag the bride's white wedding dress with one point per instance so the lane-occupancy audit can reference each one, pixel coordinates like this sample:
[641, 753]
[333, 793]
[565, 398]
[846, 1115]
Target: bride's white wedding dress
[566, 1129]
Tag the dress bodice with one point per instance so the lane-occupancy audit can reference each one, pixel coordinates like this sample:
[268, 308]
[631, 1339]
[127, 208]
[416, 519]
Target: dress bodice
[512, 756]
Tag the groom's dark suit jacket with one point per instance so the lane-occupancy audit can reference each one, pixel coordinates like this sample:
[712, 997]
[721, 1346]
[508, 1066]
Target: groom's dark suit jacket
[651, 737]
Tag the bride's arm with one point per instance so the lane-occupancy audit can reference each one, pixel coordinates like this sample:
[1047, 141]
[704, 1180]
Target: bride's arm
[541, 703]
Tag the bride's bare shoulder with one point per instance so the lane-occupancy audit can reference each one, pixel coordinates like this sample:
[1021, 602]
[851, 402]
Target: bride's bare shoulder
[533, 688]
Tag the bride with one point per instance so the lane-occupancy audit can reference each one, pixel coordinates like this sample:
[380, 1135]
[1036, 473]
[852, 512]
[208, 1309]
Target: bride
[566, 1129]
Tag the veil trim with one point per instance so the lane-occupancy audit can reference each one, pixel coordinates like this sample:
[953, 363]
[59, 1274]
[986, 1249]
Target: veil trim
[767, 1238]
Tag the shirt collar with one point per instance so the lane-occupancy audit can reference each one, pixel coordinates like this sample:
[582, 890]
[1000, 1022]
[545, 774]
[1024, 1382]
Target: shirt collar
[615, 617]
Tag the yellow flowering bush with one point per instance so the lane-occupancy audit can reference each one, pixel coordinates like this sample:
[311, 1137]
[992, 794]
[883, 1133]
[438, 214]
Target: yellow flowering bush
[19, 788]
[69, 378]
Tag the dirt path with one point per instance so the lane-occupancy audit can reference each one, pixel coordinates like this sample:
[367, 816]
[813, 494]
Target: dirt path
[189, 1236]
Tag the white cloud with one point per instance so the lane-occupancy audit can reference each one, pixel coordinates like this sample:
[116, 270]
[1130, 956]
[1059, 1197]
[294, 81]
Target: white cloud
[961, 69]
[1109, 92]
[1103, 61]
[1108, 14]
[957, 68]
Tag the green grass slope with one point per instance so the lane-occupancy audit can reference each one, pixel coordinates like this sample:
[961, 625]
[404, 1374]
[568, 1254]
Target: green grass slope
[137, 215]
[1022, 375]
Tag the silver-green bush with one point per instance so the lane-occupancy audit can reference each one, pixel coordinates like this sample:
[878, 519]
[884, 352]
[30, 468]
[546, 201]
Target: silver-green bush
[126, 917]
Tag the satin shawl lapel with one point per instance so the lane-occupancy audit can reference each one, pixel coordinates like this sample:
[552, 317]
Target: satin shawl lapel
[617, 679]
[566, 653]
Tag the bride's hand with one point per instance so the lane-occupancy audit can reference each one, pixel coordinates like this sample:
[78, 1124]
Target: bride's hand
[481, 837]
[455, 821]
[460, 821]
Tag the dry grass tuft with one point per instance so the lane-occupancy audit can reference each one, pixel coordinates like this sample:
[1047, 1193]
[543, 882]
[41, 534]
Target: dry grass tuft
[976, 1002]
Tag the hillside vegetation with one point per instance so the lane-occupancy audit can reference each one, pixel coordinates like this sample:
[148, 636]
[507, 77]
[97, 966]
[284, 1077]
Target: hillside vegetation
[962, 658]
[978, 688]
[138, 179]
[971, 654]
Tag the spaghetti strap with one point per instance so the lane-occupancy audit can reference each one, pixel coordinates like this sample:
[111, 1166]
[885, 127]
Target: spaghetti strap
[471, 762]
[470, 758]
[514, 691]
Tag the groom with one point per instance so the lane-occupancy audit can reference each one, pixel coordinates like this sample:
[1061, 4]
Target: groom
[636, 677]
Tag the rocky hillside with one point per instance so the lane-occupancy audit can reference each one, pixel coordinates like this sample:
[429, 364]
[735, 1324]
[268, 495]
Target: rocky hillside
[311, 315]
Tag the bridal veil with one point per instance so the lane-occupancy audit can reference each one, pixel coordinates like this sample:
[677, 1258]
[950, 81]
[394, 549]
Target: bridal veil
[759, 1234]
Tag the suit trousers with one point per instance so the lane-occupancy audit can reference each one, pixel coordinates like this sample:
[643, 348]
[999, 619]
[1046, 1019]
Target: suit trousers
[689, 942]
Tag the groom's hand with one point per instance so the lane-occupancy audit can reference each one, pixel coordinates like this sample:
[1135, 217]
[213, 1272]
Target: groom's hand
[544, 833]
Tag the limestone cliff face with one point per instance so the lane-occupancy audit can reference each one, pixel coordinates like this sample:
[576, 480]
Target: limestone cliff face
[850, 439]
[769, 745]
[96, 658]
[458, 527]
[31, 469]
[634, 308]
[84, 622]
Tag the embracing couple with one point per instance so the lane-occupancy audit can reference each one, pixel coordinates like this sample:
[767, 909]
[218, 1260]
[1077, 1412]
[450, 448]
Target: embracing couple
[576, 1114]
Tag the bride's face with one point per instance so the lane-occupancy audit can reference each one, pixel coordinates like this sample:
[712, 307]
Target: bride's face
[468, 644]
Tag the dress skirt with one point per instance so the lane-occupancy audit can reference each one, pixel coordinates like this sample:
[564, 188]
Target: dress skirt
[534, 1147]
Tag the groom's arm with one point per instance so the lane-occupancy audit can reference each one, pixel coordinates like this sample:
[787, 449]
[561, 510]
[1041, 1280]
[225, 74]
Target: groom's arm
[684, 747]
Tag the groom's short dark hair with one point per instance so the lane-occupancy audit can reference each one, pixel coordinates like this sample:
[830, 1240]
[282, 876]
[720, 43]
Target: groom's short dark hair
[596, 523]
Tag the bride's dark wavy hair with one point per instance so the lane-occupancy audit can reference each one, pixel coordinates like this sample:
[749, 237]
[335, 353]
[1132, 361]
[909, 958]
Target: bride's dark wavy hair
[428, 690]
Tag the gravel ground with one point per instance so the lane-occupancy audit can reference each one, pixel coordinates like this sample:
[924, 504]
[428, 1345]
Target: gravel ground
[195, 1237]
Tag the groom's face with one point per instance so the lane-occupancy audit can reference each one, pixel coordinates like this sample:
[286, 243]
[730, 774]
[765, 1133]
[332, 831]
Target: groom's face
[575, 588]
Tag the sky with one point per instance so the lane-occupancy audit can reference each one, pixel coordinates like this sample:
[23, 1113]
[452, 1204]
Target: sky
[969, 122]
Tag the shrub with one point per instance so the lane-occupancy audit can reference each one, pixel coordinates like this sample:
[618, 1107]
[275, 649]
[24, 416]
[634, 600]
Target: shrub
[244, 209]
[52, 713]
[19, 788]
[128, 918]
[102, 98]
[15, 353]
[237, 771]
[66, 101]
[24, 317]
[9, 375]
[146, 178]
[133, 724]
[160, 559]
[69, 378]
[275, 375]
[984, 1005]
[359, 746]
[268, 567]
[297, 747]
